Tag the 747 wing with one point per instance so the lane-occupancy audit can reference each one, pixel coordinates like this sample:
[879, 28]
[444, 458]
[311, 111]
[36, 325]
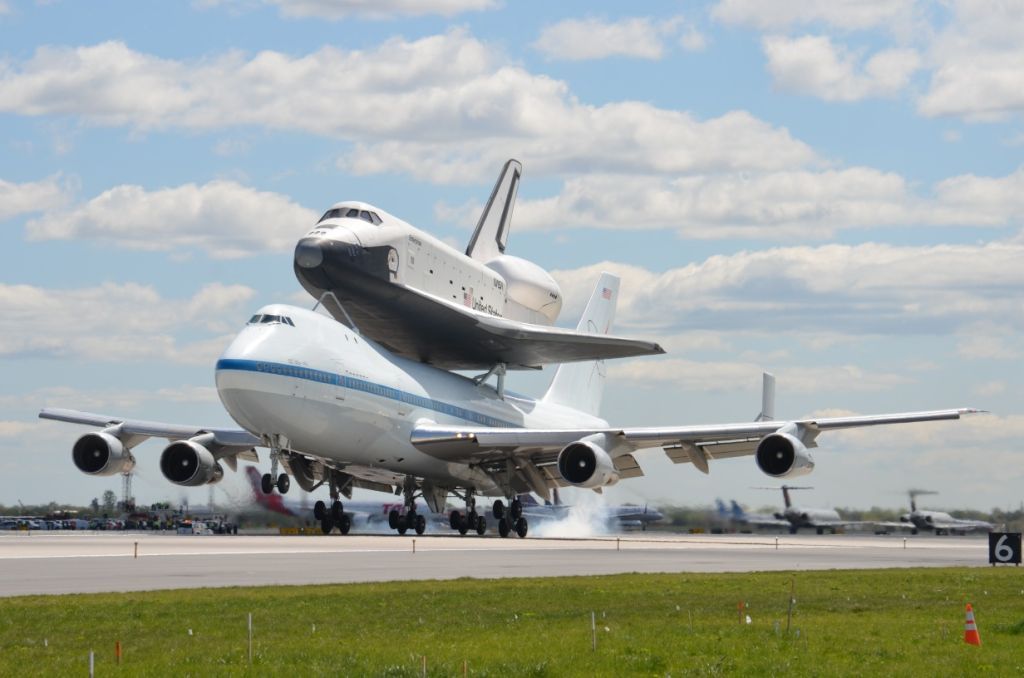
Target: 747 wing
[596, 457]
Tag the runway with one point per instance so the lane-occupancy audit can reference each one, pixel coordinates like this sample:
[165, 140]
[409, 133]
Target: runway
[69, 562]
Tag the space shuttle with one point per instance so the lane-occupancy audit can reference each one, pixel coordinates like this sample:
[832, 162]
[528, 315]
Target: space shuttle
[425, 300]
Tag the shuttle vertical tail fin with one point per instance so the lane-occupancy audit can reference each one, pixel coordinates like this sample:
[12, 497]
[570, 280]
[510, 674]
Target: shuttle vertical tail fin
[581, 385]
[491, 234]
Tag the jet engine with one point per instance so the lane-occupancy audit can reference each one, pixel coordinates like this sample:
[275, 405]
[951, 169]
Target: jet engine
[586, 464]
[782, 455]
[101, 454]
[189, 463]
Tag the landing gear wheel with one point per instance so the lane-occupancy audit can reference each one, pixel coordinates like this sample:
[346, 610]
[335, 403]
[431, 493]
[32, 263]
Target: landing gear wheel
[345, 524]
[403, 528]
[498, 510]
[463, 527]
[454, 518]
[481, 525]
[503, 528]
[394, 519]
[326, 524]
[283, 483]
[792, 529]
[516, 509]
[337, 511]
[319, 510]
[521, 527]
[421, 524]
[267, 483]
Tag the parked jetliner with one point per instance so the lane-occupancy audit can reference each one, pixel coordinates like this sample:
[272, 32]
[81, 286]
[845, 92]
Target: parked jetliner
[818, 519]
[339, 409]
[421, 299]
[939, 521]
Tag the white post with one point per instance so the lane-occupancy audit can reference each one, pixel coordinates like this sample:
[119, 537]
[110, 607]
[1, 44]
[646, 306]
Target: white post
[593, 631]
[250, 638]
[92, 664]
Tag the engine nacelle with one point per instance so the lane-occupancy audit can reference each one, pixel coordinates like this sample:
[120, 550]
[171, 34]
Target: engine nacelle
[782, 455]
[586, 464]
[101, 454]
[189, 463]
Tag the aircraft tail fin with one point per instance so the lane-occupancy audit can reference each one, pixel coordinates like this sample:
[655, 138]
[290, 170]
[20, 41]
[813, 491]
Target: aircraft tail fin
[737, 511]
[491, 234]
[581, 385]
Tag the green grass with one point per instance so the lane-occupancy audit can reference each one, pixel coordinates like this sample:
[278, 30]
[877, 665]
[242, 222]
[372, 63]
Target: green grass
[882, 622]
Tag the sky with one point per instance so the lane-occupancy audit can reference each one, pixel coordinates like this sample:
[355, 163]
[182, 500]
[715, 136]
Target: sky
[831, 190]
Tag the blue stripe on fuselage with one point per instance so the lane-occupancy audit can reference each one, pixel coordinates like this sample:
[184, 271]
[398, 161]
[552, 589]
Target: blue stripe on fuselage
[342, 381]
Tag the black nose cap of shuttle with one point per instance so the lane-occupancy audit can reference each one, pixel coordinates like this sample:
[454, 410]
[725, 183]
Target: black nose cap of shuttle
[309, 253]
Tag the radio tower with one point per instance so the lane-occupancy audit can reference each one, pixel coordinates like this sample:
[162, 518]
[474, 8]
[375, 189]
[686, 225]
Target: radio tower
[127, 500]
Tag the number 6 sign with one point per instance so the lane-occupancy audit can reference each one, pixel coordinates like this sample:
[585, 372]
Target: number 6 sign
[1004, 548]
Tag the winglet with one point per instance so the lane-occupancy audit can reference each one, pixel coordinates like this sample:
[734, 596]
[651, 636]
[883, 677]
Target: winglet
[767, 397]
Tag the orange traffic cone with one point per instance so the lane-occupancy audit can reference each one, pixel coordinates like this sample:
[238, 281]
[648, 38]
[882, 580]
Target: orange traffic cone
[971, 636]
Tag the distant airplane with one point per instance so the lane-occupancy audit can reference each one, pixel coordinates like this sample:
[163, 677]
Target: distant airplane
[629, 516]
[340, 410]
[816, 519]
[939, 521]
[422, 299]
[738, 516]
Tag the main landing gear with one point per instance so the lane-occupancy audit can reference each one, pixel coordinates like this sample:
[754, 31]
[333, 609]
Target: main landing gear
[510, 519]
[470, 520]
[410, 520]
[335, 516]
[271, 480]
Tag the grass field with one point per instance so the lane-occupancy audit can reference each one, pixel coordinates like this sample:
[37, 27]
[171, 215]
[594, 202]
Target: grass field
[903, 622]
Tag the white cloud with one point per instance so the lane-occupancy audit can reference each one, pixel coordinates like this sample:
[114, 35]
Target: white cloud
[988, 343]
[223, 218]
[843, 289]
[692, 40]
[990, 388]
[443, 108]
[35, 196]
[688, 375]
[592, 38]
[771, 205]
[100, 399]
[812, 65]
[978, 61]
[842, 14]
[336, 10]
[119, 322]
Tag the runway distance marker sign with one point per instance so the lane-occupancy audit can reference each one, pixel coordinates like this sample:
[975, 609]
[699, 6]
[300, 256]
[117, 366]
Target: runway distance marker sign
[1004, 548]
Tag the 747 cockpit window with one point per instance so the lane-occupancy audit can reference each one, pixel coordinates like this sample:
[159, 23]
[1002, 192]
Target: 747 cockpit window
[351, 213]
[267, 319]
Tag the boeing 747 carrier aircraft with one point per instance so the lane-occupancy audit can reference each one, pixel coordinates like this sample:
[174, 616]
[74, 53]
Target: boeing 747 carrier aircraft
[339, 409]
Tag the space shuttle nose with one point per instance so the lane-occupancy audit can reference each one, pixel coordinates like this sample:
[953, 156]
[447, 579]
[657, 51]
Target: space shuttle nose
[309, 253]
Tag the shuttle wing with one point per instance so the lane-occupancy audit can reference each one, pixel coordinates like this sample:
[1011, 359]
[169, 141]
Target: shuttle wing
[453, 337]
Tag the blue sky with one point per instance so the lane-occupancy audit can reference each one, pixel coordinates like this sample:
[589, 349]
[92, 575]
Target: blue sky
[831, 190]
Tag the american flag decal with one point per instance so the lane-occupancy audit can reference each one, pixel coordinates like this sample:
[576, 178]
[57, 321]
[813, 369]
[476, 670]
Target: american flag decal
[606, 293]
